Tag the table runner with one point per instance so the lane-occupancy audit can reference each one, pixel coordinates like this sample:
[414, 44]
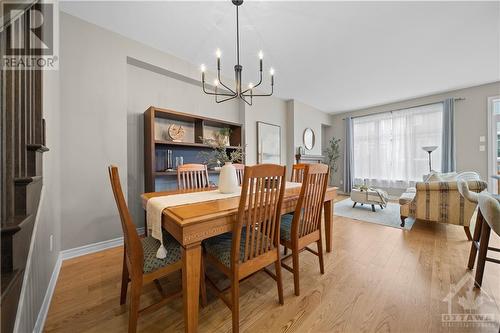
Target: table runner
[155, 207]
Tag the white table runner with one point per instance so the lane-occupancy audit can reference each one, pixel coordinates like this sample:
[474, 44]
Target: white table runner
[155, 207]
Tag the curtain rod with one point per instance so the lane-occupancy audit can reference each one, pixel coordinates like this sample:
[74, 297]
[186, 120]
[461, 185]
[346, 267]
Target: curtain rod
[456, 99]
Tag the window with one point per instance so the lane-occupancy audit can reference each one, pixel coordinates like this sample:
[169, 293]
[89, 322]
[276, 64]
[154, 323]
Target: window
[388, 146]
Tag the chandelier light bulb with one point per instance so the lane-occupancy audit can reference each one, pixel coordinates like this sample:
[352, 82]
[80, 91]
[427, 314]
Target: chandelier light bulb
[218, 53]
[250, 85]
[261, 55]
[271, 71]
[216, 82]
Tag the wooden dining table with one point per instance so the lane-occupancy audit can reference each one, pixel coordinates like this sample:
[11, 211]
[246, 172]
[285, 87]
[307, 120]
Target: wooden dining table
[190, 224]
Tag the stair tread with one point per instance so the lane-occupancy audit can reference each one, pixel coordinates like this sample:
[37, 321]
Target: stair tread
[8, 279]
[37, 147]
[13, 224]
[27, 180]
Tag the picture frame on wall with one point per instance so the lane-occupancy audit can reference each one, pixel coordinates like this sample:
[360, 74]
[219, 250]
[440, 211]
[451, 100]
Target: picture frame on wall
[268, 143]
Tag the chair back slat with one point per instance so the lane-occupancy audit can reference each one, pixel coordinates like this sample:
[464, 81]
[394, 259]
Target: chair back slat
[259, 211]
[298, 173]
[192, 176]
[240, 170]
[133, 246]
[307, 216]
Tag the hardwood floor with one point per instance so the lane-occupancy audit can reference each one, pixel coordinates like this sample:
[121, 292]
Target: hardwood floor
[378, 279]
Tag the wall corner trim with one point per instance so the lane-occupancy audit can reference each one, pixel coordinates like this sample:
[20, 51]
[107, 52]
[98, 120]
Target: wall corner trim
[65, 255]
[44, 309]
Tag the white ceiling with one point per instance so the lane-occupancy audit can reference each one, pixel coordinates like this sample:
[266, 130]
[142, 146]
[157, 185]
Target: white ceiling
[336, 56]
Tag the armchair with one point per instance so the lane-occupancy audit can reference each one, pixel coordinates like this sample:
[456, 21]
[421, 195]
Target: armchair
[441, 201]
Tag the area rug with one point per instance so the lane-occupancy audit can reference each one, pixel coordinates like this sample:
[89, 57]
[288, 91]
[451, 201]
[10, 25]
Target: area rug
[388, 216]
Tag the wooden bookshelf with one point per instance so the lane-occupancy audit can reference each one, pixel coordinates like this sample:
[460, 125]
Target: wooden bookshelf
[157, 141]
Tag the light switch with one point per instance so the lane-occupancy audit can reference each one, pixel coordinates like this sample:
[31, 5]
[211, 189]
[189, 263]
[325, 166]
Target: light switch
[482, 138]
[482, 148]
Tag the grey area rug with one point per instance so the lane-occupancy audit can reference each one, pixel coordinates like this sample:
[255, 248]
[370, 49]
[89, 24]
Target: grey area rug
[388, 216]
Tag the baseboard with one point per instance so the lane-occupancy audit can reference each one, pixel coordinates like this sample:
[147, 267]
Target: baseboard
[44, 309]
[65, 255]
[95, 247]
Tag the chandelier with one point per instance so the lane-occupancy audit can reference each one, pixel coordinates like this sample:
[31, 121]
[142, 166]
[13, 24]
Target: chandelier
[227, 93]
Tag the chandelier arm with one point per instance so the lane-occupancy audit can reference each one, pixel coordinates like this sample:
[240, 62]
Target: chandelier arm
[261, 95]
[222, 84]
[258, 84]
[216, 94]
[244, 100]
[225, 99]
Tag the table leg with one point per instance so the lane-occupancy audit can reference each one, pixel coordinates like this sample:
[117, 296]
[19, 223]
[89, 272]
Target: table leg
[328, 207]
[191, 262]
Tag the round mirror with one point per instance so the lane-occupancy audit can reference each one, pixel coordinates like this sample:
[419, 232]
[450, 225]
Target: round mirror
[309, 139]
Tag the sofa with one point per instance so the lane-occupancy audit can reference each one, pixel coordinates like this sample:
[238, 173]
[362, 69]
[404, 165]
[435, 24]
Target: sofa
[437, 199]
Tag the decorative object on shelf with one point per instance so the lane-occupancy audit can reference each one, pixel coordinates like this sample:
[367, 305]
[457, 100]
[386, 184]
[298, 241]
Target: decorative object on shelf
[237, 92]
[268, 143]
[179, 160]
[228, 181]
[429, 150]
[332, 152]
[176, 132]
[169, 162]
[221, 153]
[309, 138]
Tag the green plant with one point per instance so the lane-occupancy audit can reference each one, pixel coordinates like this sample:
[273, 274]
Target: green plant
[220, 153]
[332, 152]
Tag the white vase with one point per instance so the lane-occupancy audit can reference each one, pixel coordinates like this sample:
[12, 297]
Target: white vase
[228, 182]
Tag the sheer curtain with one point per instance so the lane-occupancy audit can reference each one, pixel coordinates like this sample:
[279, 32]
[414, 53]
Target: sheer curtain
[388, 146]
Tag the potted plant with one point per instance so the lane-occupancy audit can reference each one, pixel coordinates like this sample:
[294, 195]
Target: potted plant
[220, 153]
[332, 153]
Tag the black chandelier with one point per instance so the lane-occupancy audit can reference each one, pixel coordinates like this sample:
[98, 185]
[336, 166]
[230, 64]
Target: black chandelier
[246, 95]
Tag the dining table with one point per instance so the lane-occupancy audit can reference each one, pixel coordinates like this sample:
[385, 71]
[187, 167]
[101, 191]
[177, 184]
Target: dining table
[191, 223]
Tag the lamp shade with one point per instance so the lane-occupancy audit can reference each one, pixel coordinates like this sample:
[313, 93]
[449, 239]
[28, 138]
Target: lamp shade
[429, 149]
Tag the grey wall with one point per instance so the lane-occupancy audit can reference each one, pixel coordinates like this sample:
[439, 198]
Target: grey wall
[103, 98]
[42, 260]
[470, 124]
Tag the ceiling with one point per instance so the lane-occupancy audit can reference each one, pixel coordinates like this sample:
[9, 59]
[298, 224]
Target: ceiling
[335, 56]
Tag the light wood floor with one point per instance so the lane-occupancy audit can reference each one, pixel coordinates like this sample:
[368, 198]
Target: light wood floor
[378, 279]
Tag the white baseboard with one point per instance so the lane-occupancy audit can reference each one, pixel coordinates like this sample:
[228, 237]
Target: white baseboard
[95, 247]
[65, 255]
[44, 309]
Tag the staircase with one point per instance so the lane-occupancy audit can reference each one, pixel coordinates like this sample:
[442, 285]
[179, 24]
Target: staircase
[22, 131]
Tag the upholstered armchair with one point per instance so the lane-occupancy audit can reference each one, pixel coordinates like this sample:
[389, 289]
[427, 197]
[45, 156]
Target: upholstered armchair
[440, 201]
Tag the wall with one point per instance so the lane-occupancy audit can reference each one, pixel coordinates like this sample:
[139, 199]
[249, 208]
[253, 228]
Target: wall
[42, 259]
[103, 97]
[306, 116]
[470, 124]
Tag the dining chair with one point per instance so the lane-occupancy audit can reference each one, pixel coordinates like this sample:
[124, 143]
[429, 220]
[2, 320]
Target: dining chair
[240, 170]
[490, 211]
[192, 176]
[140, 264]
[467, 194]
[303, 227]
[298, 173]
[254, 242]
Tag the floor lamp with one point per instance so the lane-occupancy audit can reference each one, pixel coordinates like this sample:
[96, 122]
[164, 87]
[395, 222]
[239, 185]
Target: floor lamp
[429, 150]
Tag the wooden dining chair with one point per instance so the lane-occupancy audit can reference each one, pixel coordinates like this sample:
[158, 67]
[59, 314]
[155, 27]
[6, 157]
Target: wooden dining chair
[489, 208]
[303, 227]
[140, 264]
[254, 242]
[298, 173]
[240, 170]
[192, 176]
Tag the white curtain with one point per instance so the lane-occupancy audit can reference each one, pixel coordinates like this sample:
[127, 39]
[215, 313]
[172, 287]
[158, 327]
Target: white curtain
[388, 146]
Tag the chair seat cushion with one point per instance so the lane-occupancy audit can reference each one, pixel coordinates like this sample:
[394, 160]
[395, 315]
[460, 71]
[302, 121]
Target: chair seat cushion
[220, 247]
[150, 246]
[407, 197]
[286, 226]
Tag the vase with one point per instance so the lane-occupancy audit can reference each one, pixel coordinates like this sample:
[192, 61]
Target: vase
[228, 182]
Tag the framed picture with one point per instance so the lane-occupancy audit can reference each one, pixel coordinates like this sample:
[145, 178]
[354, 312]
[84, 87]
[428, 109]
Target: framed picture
[268, 143]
